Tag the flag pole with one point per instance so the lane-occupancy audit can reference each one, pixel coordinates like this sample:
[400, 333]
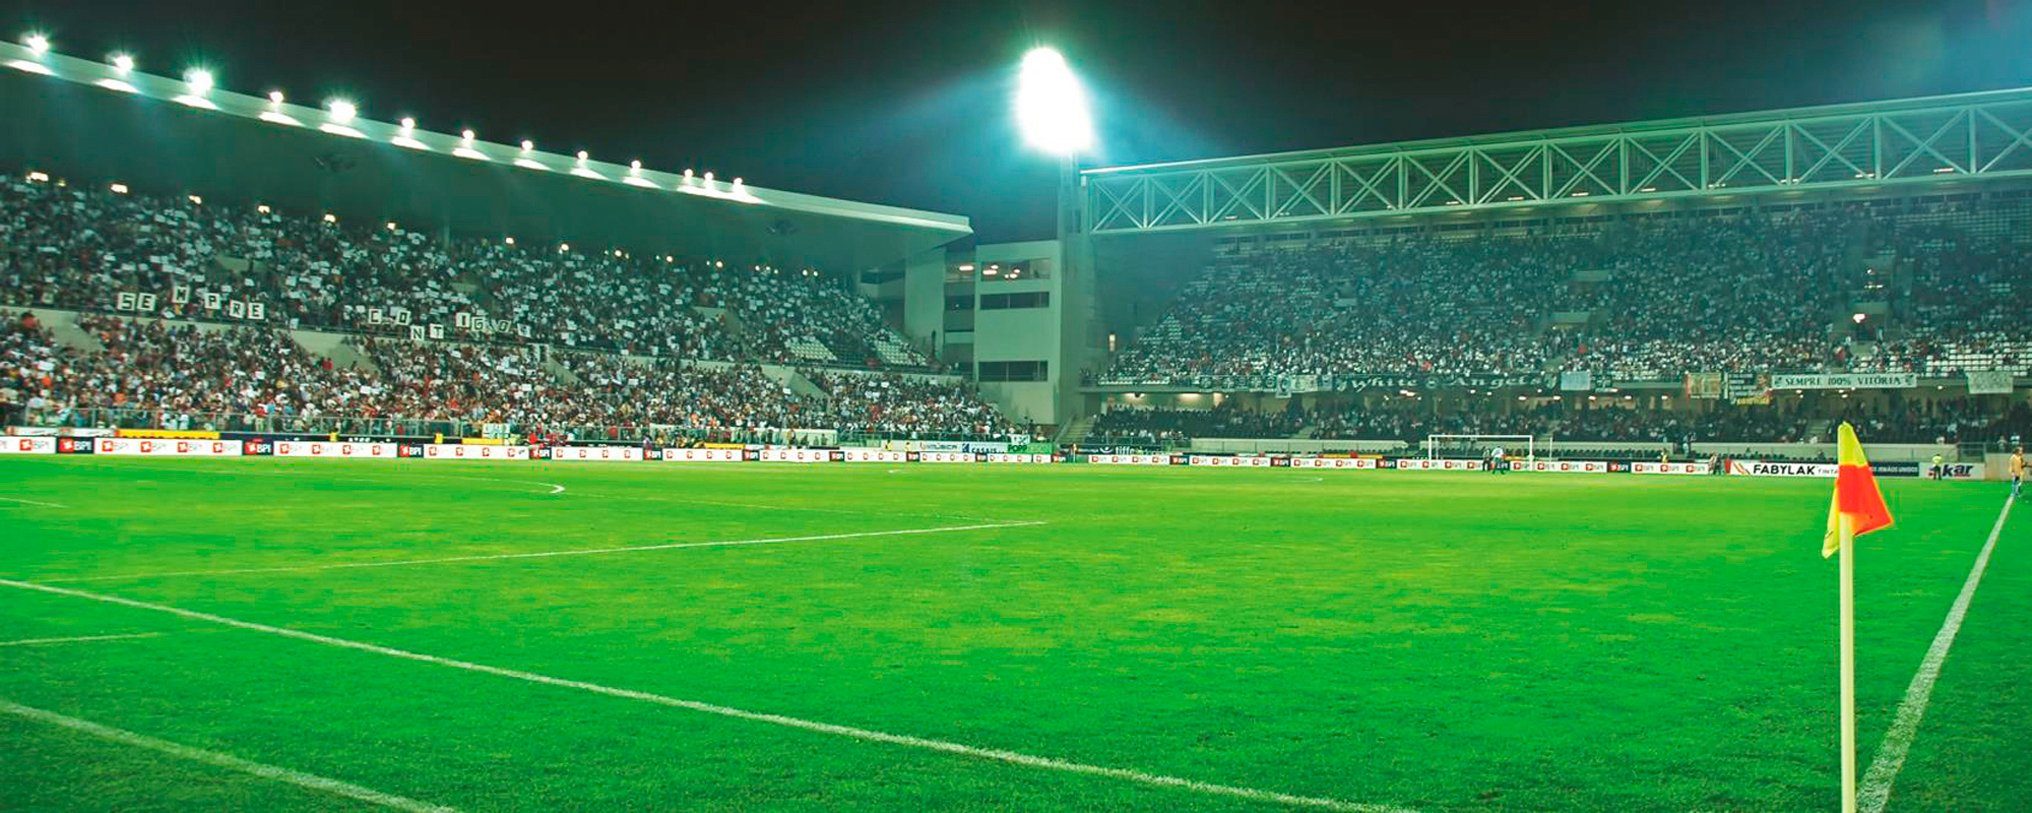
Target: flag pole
[1848, 663]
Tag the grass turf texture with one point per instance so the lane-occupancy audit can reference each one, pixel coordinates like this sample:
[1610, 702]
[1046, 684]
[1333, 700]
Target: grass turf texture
[1429, 641]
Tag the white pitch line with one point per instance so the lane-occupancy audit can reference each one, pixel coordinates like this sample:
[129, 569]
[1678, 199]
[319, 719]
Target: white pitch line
[80, 639]
[1883, 773]
[772, 540]
[33, 502]
[228, 761]
[851, 732]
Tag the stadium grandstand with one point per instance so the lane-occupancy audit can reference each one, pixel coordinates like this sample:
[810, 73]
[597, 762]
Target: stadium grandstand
[348, 462]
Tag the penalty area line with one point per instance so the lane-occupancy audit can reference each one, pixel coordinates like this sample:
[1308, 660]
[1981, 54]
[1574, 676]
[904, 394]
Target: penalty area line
[37, 503]
[1875, 791]
[850, 732]
[80, 639]
[551, 554]
[227, 761]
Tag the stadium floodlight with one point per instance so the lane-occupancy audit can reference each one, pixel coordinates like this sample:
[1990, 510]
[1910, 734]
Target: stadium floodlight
[37, 44]
[408, 124]
[342, 111]
[1051, 107]
[123, 63]
[528, 145]
[200, 81]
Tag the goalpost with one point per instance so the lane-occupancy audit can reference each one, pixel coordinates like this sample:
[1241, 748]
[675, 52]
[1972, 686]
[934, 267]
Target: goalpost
[1478, 445]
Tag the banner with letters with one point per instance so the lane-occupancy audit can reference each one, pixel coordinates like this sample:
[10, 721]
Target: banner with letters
[1562, 466]
[1334, 463]
[946, 457]
[1445, 464]
[873, 456]
[616, 454]
[15, 444]
[782, 455]
[167, 448]
[1022, 458]
[324, 448]
[1655, 467]
[1846, 381]
[1234, 461]
[1761, 468]
[471, 451]
[708, 455]
[1130, 459]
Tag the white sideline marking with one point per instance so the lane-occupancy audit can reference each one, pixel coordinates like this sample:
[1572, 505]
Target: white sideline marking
[771, 540]
[864, 734]
[1883, 773]
[33, 502]
[80, 639]
[298, 778]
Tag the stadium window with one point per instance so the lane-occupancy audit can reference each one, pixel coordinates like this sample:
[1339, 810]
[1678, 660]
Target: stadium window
[1031, 299]
[1014, 371]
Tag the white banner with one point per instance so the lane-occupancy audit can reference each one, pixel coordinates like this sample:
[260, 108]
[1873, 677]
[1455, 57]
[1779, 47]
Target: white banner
[945, 457]
[1845, 381]
[1233, 461]
[873, 456]
[1562, 466]
[1427, 464]
[990, 447]
[1333, 462]
[1671, 468]
[1759, 468]
[1130, 459]
[1019, 458]
[167, 448]
[1990, 382]
[702, 455]
[473, 451]
[597, 453]
[796, 456]
[321, 448]
[15, 444]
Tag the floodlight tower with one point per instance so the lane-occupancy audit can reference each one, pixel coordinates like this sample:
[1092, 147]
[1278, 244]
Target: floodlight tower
[1051, 109]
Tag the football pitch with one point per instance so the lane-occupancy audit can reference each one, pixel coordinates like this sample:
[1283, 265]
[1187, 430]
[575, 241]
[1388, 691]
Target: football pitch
[331, 635]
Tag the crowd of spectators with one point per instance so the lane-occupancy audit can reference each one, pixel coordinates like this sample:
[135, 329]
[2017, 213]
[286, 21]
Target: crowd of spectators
[69, 247]
[1171, 427]
[183, 375]
[1647, 297]
[1413, 421]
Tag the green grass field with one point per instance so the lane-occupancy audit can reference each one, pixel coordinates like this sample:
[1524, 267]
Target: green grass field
[1409, 641]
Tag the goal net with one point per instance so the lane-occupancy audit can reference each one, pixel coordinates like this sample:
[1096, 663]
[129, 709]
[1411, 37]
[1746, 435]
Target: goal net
[1476, 447]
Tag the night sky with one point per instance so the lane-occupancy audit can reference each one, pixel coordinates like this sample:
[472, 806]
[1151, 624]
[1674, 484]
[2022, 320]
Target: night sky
[908, 103]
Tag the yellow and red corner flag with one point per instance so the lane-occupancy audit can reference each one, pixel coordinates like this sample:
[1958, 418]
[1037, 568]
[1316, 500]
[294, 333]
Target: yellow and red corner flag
[1855, 494]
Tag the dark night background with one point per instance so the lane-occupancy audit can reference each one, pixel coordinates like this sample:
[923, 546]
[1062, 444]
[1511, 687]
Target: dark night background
[907, 103]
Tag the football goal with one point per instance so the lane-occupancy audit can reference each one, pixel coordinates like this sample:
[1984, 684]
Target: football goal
[1479, 446]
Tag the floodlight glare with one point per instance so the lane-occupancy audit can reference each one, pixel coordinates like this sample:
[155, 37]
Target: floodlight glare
[199, 80]
[343, 111]
[275, 97]
[37, 43]
[408, 124]
[1051, 107]
[123, 63]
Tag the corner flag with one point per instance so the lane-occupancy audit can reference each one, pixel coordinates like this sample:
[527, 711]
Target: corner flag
[1855, 494]
[1857, 508]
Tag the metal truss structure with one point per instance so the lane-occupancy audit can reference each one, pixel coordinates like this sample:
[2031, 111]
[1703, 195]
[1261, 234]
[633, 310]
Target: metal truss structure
[1853, 146]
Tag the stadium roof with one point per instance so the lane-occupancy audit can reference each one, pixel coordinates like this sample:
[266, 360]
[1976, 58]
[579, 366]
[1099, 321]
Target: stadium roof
[94, 121]
[1860, 147]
